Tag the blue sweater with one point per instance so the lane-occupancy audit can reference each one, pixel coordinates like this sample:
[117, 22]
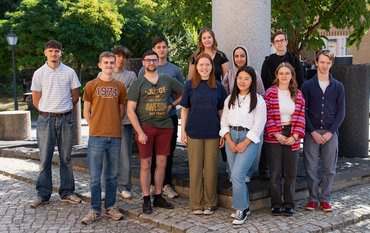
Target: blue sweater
[324, 111]
[203, 120]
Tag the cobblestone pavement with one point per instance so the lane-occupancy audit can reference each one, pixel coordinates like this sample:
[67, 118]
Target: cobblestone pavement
[351, 210]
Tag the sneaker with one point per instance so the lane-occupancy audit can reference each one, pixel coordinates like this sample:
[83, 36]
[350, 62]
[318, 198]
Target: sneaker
[247, 179]
[169, 192]
[233, 215]
[91, 217]
[198, 211]
[288, 212]
[126, 194]
[241, 217]
[276, 211]
[162, 203]
[114, 214]
[71, 198]
[102, 196]
[208, 211]
[38, 202]
[311, 205]
[326, 206]
[147, 208]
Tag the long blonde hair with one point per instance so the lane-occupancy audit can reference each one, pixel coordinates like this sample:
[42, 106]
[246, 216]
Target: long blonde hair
[293, 86]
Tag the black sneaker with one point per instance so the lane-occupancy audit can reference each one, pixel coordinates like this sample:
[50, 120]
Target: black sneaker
[241, 217]
[276, 211]
[147, 208]
[288, 212]
[162, 203]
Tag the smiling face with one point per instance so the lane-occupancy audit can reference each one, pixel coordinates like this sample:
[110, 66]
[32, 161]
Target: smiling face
[204, 68]
[240, 57]
[150, 63]
[106, 64]
[244, 82]
[207, 39]
[284, 75]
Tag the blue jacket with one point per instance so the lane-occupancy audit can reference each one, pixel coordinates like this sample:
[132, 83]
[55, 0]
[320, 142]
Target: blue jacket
[324, 111]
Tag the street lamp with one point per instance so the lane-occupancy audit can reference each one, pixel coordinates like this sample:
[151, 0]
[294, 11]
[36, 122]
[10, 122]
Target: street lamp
[12, 39]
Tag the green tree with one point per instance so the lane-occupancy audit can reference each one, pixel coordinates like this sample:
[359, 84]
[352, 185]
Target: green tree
[87, 28]
[141, 24]
[302, 20]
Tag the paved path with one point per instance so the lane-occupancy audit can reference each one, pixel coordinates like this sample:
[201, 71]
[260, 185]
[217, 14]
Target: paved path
[351, 214]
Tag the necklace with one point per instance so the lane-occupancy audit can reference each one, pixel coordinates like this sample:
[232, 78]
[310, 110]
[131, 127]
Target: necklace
[239, 102]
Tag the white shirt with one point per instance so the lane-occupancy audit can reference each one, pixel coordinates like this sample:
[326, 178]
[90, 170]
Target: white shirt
[55, 86]
[240, 116]
[323, 85]
[286, 105]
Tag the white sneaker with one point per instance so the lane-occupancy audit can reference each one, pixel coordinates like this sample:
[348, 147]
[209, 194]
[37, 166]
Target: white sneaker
[126, 194]
[233, 215]
[241, 217]
[247, 179]
[169, 192]
[102, 196]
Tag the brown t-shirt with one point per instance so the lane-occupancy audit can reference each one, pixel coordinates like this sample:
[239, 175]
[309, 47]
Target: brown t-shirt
[105, 99]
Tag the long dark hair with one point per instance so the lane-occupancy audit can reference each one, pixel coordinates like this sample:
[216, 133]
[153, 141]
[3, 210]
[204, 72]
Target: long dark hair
[211, 80]
[234, 98]
[293, 86]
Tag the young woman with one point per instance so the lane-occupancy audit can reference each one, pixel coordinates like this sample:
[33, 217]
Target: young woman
[207, 44]
[240, 57]
[285, 126]
[202, 101]
[242, 123]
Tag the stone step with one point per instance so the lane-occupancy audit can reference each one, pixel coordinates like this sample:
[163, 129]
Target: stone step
[351, 205]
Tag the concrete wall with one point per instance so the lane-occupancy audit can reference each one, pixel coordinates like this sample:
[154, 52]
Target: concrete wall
[243, 22]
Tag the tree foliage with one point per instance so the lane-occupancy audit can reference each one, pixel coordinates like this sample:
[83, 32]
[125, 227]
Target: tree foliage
[87, 28]
[302, 20]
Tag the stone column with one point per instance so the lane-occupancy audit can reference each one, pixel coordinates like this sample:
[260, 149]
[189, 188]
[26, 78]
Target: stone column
[354, 131]
[15, 125]
[77, 123]
[243, 22]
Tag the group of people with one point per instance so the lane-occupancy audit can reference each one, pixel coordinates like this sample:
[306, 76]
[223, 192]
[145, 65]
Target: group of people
[228, 111]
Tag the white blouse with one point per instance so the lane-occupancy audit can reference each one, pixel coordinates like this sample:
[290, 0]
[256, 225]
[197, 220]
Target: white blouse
[240, 116]
[286, 105]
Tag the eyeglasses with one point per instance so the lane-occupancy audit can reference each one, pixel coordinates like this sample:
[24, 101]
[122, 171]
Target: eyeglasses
[279, 41]
[155, 60]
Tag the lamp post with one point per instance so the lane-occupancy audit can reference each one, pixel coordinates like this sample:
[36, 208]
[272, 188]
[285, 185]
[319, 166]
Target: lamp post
[12, 39]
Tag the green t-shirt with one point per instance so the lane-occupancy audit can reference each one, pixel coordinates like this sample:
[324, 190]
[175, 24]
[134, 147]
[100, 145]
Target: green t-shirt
[152, 100]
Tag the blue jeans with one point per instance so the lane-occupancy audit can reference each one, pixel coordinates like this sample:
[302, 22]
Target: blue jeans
[97, 147]
[240, 164]
[124, 165]
[53, 131]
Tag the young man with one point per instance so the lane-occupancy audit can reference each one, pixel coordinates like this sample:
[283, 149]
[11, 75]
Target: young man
[55, 89]
[160, 46]
[280, 41]
[125, 76]
[325, 110]
[147, 109]
[104, 98]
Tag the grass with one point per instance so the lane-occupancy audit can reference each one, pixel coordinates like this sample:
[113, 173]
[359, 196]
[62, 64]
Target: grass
[7, 104]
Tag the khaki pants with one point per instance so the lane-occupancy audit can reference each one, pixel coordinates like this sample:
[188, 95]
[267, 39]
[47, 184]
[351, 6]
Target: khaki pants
[203, 159]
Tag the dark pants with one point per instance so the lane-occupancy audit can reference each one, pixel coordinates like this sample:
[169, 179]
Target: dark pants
[168, 171]
[283, 164]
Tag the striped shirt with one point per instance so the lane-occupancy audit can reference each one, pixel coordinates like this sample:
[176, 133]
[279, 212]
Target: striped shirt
[273, 124]
[55, 86]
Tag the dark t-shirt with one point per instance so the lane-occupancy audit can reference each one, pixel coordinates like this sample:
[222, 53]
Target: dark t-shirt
[152, 100]
[219, 59]
[203, 120]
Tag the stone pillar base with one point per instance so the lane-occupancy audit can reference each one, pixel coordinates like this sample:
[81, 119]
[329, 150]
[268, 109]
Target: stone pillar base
[15, 125]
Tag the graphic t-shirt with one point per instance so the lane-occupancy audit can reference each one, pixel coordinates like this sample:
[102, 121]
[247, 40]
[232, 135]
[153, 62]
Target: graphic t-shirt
[152, 100]
[105, 98]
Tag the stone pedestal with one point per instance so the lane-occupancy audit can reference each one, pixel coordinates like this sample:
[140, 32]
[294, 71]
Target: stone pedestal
[354, 132]
[15, 125]
[243, 22]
